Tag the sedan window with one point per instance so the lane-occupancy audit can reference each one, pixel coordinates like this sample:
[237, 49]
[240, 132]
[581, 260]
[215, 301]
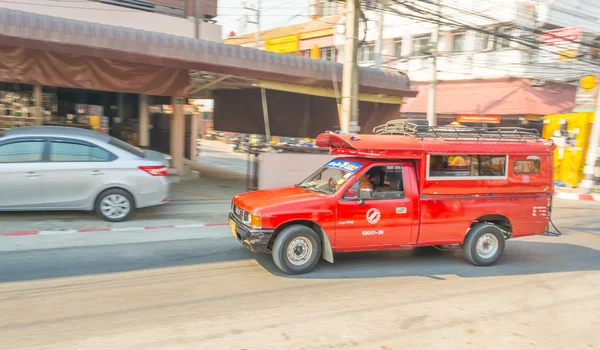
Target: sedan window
[22, 152]
[74, 152]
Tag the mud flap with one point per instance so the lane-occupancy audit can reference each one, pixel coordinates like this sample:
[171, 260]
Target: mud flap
[327, 251]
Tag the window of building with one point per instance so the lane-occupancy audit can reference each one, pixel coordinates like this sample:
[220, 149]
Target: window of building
[504, 38]
[457, 166]
[526, 166]
[398, 48]
[328, 54]
[74, 152]
[458, 42]
[485, 41]
[328, 8]
[421, 45]
[367, 53]
[386, 182]
[22, 152]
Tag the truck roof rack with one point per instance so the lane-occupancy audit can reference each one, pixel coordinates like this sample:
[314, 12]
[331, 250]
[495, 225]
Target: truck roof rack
[404, 128]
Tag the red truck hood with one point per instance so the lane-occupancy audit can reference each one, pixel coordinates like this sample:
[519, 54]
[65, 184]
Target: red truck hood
[257, 200]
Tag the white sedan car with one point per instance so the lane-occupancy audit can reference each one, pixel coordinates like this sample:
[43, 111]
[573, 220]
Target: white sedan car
[60, 168]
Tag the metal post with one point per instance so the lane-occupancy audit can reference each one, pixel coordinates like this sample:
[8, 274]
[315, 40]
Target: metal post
[198, 16]
[592, 154]
[37, 99]
[257, 11]
[379, 41]
[144, 122]
[431, 116]
[265, 115]
[258, 25]
[349, 92]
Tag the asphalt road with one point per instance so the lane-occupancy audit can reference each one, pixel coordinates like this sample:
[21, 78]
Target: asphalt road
[199, 289]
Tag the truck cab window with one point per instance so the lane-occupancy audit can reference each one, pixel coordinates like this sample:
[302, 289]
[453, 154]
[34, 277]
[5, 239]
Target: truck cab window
[386, 182]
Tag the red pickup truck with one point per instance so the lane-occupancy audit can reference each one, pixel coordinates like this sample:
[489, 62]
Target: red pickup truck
[426, 188]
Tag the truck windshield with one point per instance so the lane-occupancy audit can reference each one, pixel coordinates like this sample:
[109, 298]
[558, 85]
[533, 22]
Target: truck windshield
[330, 177]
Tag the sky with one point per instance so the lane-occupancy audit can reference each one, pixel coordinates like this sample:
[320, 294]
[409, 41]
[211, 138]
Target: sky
[231, 14]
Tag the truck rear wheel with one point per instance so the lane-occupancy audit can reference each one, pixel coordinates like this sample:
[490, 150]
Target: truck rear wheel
[296, 249]
[484, 244]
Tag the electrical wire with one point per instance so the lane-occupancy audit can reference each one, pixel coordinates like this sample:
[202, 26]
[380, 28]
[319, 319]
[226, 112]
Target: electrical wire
[552, 234]
[529, 29]
[533, 44]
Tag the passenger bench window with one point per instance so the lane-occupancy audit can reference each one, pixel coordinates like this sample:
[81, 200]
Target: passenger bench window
[457, 166]
[491, 165]
[526, 166]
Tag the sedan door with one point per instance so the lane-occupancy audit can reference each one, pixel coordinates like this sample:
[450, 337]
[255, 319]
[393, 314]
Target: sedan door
[74, 173]
[20, 176]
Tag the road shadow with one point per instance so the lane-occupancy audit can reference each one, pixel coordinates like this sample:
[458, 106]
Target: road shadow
[27, 265]
[519, 258]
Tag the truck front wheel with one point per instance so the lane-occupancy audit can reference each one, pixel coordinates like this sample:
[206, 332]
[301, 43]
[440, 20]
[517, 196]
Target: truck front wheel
[484, 244]
[296, 249]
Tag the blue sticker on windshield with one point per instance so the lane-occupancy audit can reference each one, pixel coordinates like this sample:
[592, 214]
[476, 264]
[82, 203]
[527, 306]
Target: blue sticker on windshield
[350, 167]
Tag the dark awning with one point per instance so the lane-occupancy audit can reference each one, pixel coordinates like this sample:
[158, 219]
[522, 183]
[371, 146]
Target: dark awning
[34, 31]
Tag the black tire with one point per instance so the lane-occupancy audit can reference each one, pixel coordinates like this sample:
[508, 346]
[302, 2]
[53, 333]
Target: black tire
[301, 234]
[476, 232]
[117, 193]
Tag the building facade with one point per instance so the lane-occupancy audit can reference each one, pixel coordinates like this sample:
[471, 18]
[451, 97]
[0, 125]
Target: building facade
[313, 39]
[490, 38]
[175, 17]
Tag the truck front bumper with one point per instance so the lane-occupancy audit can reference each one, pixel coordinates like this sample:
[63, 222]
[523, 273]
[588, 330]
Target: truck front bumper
[257, 240]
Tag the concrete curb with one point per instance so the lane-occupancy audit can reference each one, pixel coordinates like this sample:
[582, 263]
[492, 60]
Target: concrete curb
[577, 196]
[106, 229]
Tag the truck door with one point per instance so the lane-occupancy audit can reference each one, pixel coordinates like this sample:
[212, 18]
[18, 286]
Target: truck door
[384, 220]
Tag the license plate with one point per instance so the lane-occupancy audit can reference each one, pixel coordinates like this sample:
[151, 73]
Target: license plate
[232, 226]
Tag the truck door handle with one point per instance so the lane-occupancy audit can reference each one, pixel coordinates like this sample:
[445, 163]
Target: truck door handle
[96, 173]
[32, 175]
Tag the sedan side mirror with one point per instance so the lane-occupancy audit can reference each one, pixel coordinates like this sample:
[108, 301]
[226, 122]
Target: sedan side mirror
[364, 194]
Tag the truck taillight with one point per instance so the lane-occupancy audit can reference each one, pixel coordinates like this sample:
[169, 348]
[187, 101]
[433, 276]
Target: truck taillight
[155, 170]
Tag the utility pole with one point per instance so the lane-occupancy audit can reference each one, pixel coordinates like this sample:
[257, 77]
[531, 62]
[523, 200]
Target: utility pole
[257, 22]
[431, 116]
[379, 41]
[198, 16]
[592, 154]
[349, 117]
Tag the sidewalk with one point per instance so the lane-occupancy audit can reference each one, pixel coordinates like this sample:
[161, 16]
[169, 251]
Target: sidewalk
[569, 193]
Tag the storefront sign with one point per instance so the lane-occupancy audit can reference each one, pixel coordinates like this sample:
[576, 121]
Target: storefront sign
[587, 83]
[560, 44]
[283, 44]
[479, 118]
[202, 104]
[585, 97]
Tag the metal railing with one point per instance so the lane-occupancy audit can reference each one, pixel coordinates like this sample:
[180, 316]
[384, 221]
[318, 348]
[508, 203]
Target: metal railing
[403, 128]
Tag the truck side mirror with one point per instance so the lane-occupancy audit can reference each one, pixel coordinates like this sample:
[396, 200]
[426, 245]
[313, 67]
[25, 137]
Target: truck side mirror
[364, 194]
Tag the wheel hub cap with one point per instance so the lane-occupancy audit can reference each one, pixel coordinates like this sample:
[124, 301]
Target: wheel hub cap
[487, 245]
[115, 206]
[299, 251]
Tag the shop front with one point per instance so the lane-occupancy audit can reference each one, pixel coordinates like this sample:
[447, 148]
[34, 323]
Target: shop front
[498, 102]
[40, 87]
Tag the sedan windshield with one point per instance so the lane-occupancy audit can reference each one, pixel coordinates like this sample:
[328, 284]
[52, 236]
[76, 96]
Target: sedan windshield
[330, 177]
